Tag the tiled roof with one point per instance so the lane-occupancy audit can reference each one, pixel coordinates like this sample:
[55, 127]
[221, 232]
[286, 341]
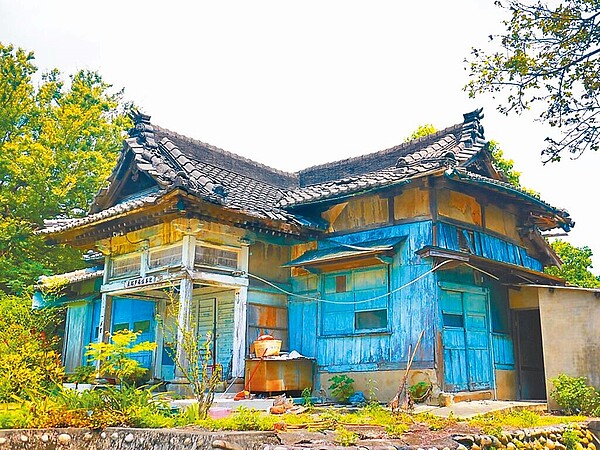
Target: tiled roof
[238, 183]
[58, 225]
[561, 215]
[73, 277]
[446, 152]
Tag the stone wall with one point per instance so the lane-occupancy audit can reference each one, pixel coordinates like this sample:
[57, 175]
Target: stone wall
[133, 439]
[548, 438]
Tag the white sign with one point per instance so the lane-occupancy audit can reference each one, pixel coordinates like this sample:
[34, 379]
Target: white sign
[140, 281]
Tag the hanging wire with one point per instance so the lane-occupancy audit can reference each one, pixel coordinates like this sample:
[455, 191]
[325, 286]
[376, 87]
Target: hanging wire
[322, 300]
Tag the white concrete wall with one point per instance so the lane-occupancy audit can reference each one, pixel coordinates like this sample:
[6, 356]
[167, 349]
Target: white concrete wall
[571, 334]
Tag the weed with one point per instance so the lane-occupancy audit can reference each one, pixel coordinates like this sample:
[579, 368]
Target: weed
[341, 387]
[574, 395]
[307, 398]
[396, 430]
[344, 437]
[570, 439]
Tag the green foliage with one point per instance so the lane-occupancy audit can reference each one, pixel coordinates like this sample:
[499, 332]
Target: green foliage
[494, 423]
[13, 416]
[195, 361]
[114, 357]
[420, 391]
[547, 57]
[307, 397]
[421, 131]
[503, 165]
[577, 262]
[570, 439]
[341, 387]
[345, 437]
[28, 357]
[242, 419]
[58, 143]
[574, 396]
[82, 374]
[396, 430]
[99, 408]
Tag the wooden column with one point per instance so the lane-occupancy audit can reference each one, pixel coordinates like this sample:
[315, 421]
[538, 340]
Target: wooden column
[186, 287]
[239, 319]
[105, 307]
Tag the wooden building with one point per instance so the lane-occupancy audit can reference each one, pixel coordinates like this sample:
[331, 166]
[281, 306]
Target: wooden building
[346, 262]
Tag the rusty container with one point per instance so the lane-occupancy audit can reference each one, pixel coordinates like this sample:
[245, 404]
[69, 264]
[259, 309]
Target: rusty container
[280, 375]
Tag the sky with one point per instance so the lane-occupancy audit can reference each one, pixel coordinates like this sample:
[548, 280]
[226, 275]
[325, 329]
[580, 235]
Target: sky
[295, 84]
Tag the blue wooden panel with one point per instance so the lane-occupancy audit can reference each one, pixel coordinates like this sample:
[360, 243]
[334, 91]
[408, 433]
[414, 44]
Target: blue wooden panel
[487, 246]
[504, 357]
[78, 318]
[303, 327]
[465, 338]
[132, 315]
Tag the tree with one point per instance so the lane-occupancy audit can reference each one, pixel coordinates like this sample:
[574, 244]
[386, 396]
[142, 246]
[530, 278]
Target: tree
[506, 166]
[577, 262]
[29, 361]
[58, 143]
[421, 131]
[503, 165]
[548, 56]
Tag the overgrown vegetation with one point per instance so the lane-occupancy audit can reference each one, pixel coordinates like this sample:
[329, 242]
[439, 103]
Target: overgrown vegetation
[194, 362]
[341, 387]
[574, 396]
[59, 140]
[114, 359]
[29, 361]
[577, 262]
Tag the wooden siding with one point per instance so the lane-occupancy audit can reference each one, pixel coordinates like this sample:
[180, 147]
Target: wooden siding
[77, 332]
[299, 250]
[171, 232]
[501, 221]
[265, 260]
[412, 203]
[357, 213]
[487, 246]
[218, 322]
[458, 206]
[410, 310]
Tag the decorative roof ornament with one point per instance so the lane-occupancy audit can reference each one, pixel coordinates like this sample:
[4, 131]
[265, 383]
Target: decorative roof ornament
[472, 133]
[142, 129]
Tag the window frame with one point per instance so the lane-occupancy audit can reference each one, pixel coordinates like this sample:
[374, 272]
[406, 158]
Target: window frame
[351, 290]
[236, 250]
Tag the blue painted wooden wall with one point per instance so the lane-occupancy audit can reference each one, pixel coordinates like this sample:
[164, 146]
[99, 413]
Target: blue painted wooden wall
[410, 310]
[488, 246]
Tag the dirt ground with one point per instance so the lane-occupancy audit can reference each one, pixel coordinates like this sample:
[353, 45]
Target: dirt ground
[419, 435]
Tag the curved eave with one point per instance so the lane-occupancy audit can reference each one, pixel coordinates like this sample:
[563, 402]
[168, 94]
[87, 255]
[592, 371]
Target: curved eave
[555, 217]
[175, 203]
[503, 271]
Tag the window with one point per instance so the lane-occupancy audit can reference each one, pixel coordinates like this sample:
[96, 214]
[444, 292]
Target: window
[340, 283]
[165, 257]
[371, 320]
[126, 265]
[211, 256]
[355, 302]
[466, 239]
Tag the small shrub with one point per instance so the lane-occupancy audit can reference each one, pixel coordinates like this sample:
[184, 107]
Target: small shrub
[114, 356]
[573, 395]
[420, 391]
[570, 439]
[344, 437]
[396, 430]
[341, 387]
[307, 398]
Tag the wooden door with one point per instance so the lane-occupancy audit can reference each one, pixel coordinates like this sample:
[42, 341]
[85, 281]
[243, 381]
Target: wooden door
[466, 341]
